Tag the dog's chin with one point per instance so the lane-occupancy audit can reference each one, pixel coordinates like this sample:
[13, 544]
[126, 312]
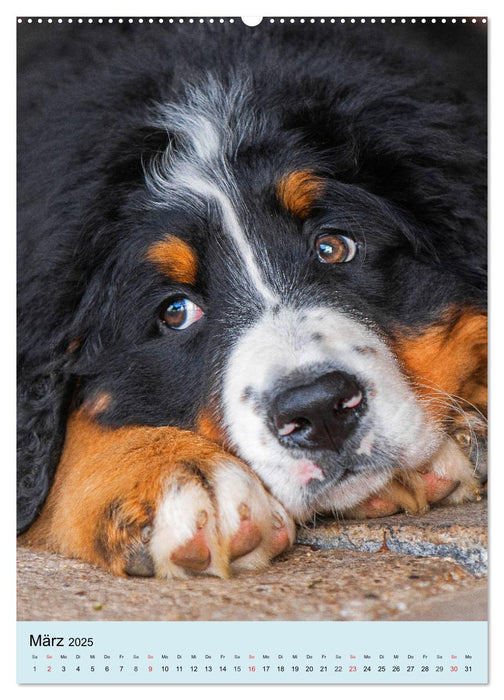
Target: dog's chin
[323, 483]
[332, 470]
[333, 496]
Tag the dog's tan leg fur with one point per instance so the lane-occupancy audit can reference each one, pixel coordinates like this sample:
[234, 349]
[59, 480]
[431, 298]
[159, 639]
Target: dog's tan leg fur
[110, 484]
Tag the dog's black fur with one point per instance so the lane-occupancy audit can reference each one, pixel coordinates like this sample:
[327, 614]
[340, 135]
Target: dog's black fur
[394, 118]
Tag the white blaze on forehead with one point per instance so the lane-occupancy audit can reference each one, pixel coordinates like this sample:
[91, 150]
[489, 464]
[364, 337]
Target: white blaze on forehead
[199, 169]
[233, 228]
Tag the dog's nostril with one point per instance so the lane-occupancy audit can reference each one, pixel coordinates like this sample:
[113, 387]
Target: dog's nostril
[288, 428]
[320, 413]
[352, 402]
[294, 426]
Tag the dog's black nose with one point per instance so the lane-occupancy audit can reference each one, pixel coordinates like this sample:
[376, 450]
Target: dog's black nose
[320, 414]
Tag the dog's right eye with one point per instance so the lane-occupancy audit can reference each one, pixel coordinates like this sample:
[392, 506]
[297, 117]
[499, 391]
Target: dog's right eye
[334, 247]
[179, 313]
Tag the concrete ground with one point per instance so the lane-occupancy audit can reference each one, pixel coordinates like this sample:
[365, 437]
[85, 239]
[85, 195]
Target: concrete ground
[396, 568]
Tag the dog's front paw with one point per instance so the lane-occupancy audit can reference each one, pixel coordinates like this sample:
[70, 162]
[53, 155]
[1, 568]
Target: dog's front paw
[159, 501]
[215, 517]
[450, 477]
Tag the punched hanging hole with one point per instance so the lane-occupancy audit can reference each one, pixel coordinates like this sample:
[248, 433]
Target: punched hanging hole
[251, 21]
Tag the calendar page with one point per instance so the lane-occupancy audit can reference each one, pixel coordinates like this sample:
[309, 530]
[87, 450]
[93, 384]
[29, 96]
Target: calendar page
[252, 337]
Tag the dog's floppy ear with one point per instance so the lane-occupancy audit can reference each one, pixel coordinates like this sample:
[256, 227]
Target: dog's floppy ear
[44, 396]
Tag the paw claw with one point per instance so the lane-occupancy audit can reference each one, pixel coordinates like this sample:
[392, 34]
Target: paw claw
[438, 488]
[282, 536]
[375, 507]
[201, 519]
[278, 521]
[140, 563]
[146, 533]
[280, 542]
[193, 555]
[379, 508]
[244, 511]
[247, 538]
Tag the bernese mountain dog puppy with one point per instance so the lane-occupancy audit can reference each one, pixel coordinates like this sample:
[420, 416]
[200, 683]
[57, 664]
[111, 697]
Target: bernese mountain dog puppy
[252, 285]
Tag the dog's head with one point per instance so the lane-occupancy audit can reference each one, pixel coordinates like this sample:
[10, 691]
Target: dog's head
[297, 314]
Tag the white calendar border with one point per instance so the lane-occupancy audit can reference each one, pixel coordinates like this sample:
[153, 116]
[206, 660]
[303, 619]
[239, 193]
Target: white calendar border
[225, 8]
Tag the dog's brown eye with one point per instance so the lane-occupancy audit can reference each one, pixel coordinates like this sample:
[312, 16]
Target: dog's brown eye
[179, 313]
[335, 248]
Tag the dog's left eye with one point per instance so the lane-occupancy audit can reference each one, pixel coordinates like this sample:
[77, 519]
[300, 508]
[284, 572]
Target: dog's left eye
[335, 248]
[179, 313]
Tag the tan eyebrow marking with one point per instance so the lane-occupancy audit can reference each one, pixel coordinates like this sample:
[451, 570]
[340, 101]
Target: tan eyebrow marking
[299, 191]
[174, 258]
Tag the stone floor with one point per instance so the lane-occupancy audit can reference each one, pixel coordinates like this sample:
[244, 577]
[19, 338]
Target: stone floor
[396, 568]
